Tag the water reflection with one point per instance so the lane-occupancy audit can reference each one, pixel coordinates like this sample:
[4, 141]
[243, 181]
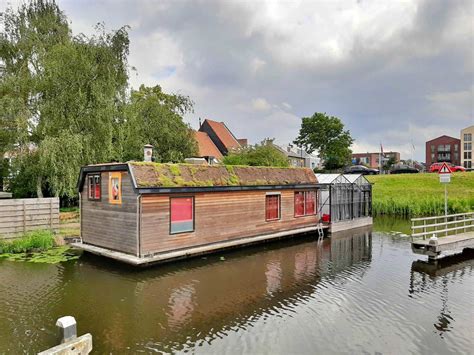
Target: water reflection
[173, 305]
[346, 294]
[439, 273]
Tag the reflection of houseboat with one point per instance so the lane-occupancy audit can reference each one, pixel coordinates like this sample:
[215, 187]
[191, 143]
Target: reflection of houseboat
[144, 212]
[203, 300]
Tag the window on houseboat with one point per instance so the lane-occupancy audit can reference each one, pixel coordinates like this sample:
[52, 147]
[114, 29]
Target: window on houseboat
[305, 203]
[299, 204]
[182, 214]
[94, 187]
[272, 207]
[310, 202]
[115, 188]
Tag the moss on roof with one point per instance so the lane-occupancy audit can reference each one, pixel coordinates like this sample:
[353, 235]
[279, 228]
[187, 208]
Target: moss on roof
[149, 175]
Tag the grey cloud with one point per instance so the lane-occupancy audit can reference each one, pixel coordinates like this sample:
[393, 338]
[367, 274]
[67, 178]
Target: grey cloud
[396, 90]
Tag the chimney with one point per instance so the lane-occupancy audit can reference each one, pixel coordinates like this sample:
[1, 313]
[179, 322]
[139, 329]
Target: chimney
[147, 152]
[200, 123]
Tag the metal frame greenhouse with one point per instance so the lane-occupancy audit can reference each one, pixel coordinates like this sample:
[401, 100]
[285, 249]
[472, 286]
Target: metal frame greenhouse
[344, 197]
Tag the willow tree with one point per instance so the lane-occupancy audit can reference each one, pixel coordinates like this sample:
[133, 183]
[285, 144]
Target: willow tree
[155, 117]
[62, 93]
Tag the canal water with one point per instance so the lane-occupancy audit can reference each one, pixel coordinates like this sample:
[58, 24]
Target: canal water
[363, 292]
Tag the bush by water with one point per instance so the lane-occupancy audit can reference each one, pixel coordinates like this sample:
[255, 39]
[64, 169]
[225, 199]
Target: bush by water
[40, 240]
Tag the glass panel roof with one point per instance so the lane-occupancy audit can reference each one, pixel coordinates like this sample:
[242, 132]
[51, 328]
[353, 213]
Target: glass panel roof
[328, 179]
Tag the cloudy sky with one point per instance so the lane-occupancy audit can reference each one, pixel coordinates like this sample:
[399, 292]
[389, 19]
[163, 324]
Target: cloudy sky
[396, 72]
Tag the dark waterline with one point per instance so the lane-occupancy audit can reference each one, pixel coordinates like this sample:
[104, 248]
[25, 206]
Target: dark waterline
[364, 292]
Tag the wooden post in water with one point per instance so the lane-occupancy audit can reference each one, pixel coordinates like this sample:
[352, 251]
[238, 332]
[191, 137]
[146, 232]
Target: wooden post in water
[70, 343]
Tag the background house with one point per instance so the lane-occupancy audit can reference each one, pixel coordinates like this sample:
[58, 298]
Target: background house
[372, 159]
[221, 136]
[298, 157]
[206, 147]
[443, 149]
[215, 140]
[466, 147]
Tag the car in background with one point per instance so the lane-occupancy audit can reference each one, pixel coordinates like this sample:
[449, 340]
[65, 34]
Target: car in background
[404, 169]
[458, 168]
[435, 167]
[360, 169]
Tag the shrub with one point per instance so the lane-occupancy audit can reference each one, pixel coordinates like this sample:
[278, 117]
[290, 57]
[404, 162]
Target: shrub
[33, 241]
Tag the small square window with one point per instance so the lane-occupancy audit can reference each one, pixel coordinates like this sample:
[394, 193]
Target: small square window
[94, 192]
[272, 207]
[181, 214]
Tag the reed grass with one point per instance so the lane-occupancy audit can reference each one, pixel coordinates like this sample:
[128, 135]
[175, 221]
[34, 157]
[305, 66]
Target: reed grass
[36, 241]
[409, 195]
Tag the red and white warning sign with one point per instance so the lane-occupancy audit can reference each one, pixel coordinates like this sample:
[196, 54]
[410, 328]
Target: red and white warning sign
[444, 174]
[444, 169]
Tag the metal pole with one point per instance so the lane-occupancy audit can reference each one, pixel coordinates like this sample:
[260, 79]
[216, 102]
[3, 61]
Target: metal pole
[445, 200]
[446, 208]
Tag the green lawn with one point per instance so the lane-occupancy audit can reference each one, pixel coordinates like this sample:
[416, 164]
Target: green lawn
[421, 194]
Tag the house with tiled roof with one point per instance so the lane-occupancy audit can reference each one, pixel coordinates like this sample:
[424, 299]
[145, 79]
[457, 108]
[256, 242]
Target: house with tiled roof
[206, 147]
[221, 136]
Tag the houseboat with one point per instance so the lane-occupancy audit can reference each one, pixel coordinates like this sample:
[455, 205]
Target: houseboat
[144, 213]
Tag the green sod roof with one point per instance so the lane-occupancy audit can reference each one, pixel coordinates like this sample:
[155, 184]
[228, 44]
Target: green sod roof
[154, 175]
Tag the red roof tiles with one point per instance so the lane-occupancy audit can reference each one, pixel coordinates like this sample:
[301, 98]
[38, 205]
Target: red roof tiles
[224, 134]
[206, 147]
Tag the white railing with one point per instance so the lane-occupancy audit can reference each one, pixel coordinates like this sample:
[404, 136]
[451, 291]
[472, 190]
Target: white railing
[442, 225]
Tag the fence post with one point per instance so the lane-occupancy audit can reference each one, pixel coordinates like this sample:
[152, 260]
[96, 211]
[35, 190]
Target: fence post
[67, 328]
[70, 344]
[24, 216]
[465, 216]
[51, 214]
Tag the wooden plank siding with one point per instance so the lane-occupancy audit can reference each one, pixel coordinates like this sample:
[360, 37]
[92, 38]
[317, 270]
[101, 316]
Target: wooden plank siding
[219, 216]
[112, 226]
[18, 216]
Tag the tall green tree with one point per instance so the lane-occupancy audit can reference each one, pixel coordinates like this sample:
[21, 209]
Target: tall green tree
[154, 117]
[327, 135]
[65, 102]
[61, 93]
[263, 154]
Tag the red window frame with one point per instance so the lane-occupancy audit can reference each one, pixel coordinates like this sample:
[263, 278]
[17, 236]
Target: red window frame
[299, 204]
[310, 203]
[306, 203]
[272, 207]
[181, 214]
[94, 187]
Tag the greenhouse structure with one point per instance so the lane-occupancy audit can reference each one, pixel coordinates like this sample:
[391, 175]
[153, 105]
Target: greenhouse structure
[345, 200]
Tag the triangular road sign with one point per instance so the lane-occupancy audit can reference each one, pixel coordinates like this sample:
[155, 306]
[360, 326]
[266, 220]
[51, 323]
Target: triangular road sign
[444, 169]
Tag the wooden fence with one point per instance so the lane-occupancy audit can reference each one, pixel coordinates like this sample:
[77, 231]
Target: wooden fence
[18, 216]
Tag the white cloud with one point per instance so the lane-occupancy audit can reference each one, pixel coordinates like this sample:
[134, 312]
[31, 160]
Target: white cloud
[286, 105]
[260, 104]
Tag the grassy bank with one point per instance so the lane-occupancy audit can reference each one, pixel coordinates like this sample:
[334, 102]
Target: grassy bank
[38, 246]
[409, 195]
[35, 241]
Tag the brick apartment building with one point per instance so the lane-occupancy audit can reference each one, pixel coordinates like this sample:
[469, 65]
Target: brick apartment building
[467, 153]
[372, 159]
[443, 149]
